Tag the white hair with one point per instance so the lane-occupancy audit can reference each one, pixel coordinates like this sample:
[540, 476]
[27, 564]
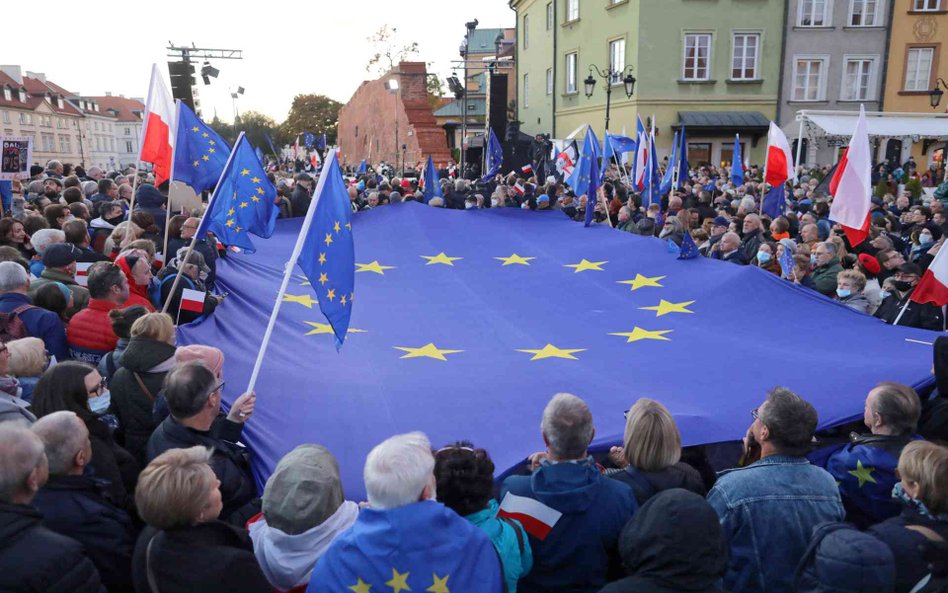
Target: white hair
[63, 435]
[12, 276]
[398, 469]
[568, 426]
[22, 453]
[748, 204]
[43, 238]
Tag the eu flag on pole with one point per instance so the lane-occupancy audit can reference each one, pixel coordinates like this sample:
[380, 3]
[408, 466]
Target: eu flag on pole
[689, 250]
[737, 163]
[614, 145]
[432, 185]
[585, 179]
[666, 183]
[495, 156]
[199, 152]
[363, 168]
[775, 201]
[328, 256]
[270, 143]
[321, 142]
[242, 202]
[309, 139]
[683, 168]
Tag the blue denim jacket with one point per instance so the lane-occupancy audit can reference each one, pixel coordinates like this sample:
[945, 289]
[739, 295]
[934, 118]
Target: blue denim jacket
[768, 511]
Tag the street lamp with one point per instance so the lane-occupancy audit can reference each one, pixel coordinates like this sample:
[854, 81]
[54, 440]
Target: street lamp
[609, 76]
[234, 95]
[934, 95]
[393, 88]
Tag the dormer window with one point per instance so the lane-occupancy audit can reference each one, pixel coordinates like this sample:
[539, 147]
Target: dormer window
[7, 93]
[59, 102]
[22, 96]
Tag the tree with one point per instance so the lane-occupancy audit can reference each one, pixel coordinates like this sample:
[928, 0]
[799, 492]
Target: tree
[256, 126]
[388, 52]
[226, 131]
[312, 113]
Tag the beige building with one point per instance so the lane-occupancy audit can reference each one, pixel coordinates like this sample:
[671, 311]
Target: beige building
[98, 137]
[128, 114]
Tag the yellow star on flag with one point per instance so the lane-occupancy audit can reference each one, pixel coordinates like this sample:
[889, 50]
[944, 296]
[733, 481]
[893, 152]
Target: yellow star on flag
[325, 328]
[230, 222]
[195, 129]
[331, 294]
[211, 142]
[426, 351]
[255, 198]
[245, 172]
[439, 585]
[638, 333]
[237, 229]
[205, 134]
[336, 227]
[230, 212]
[398, 583]
[863, 474]
[551, 351]
[360, 587]
[664, 308]
[374, 267]
[641, 281]
[255, 179]
[260, 191]
[196, 163]
[349, 225]
[301, 299]
[210, 151]
[586, 265]
[323, 279]
[441, 258]
[322, 258]
[205, 158]
[515, 259]
[328, 239]
[244, 204]
[342, 300]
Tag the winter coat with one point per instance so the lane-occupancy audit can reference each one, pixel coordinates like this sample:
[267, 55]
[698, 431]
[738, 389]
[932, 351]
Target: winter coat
[673, 544]
[842, 559]
[40, 323]
[211, 557]
[750, 244]
[89, 332]
[645, 484]
[112, 464]
[34, 559]
[857, 302]
[509, 539]
[823, 278]
[76, 506]
[182, 317]
[80, 294]
[149, 361]
[299, 201]
[905, 542]
[149, 199]
[926, 316]
[206, 247]
[13, 408]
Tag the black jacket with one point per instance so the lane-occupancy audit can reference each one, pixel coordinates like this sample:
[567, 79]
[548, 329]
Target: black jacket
[75, 506]
[167, 278]
[674, 543]
[916, 315]
[206, 247]
[34, 559]
[207, 558]
[112, 464]
[299, 201]
[910, 566]
[228, 460]
[645, 484]
[750, 244]
[131, 403]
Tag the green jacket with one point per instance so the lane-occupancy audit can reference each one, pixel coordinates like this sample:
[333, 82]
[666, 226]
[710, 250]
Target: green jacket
[80, 295]
[823, 278]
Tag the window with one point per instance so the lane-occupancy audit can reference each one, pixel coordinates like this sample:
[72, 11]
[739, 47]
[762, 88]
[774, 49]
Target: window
[571, 72]
[617, 60]
[526, 31]
[128, 132]
[6, 117]
[744, 58]
[918, 68]
[697, 59]
[7, 93]
[857, 79]
[814, 13]
[48, 145]
[59, 102]
[22, 96]
[808, 76]
[572, 10]
[549, 81]
[128, 146]
[863, 13]
[926, 5]
[526, 90]
[699, 153]
[549, 16]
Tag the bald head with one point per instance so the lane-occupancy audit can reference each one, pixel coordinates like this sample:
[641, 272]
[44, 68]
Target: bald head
[730, 241]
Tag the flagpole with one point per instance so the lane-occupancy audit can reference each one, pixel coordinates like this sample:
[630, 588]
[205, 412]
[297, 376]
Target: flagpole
[177, 277]
[902, 312]
[174, 151]
[799, 146]
[290, 265]
[651, 151]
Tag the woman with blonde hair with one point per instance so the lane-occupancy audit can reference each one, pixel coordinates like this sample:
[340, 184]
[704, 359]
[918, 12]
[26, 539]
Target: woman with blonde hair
[650, 458]
[28, 360]
[185, 547]
[123, 234]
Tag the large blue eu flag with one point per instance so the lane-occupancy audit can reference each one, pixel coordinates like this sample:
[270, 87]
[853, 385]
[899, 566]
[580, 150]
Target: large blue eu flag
[328, 256]
[199, 152]
[243, 201]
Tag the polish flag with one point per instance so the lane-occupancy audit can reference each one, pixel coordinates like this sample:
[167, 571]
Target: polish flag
[641, 160]
[537, 518]
[82, 273]
[519, 188]
[779, 157]
[527, 169]
[851, 186]
[314, 159]
[158, 128]
[933, 287]
[192, 300]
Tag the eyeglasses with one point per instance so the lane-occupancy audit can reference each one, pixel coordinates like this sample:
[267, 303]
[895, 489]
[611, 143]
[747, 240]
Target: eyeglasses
[755, 413]
[98, 389]
[220, 387]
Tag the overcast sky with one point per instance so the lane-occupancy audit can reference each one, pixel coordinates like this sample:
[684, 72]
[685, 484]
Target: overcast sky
[289, 47]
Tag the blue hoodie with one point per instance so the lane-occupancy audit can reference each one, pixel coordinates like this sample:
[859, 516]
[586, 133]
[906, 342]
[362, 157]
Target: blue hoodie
[150, 200]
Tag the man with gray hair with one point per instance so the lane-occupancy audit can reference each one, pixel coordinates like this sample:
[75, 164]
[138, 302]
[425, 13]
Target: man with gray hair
[41, 240]
[404, 539]
[571, 512]
[37, 322]
[825, 268]
[75, 504]
[32, 557]
[768, 509]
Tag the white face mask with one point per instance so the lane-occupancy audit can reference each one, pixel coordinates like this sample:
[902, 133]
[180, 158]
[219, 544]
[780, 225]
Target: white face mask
[494, 202]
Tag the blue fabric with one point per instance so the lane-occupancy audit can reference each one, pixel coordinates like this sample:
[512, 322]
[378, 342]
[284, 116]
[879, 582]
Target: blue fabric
[507, 542]
[39, 323]
[494, 395]
[259, 154]
[842, 559]
[585, 179]
[737, 163]
[682, 162]
[777, 495]
[413, 547]
[309, 139]
[36, 267]
[652, 178]
[775, 202]
[639, 133]
[666, 183]
[328, 258]
[242, 202]
[688, 248]
[364, 167]
[786, 263]
[321, 142]
[495, 157]
[270, 143]
[199, 152]
[6, 195]
[612, 146]
[432, 185]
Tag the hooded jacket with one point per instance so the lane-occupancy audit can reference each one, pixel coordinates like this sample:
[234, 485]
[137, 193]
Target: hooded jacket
[34, 559]
[150, 200]
[647, 484]
[910, 564]
[674, 543]
[137, 294]
[581, 550]
[841, 559]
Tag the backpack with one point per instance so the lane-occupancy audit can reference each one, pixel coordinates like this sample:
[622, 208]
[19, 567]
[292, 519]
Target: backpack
[12, 326]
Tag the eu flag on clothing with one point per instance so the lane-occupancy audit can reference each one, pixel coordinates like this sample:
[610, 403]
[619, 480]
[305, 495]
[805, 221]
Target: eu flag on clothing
[199, 152]
[328, 256]
[432, 185]
[242, 202]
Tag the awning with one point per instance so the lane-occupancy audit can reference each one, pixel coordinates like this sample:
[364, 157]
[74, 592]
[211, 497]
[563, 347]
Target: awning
[723, 120]
[888, 125]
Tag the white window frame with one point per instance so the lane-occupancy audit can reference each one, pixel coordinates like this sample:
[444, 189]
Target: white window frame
[49, 142]
[870, 85]
[821, 82]
[755, 74]
[684, 55]
[128, 146]
[931, 63]
[22, 95]
[6, 117]
[926, 5]
[549, 17]
[7, 93]
[616, 60]
[572, 10]
[876, 13]
[827, 13]
[526, 31]
[526, 90]
[571, 77]
[549, 81]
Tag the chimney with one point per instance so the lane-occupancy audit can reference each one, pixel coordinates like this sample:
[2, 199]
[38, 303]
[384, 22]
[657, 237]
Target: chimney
[40, 76]
[108, 93]
[13, 72]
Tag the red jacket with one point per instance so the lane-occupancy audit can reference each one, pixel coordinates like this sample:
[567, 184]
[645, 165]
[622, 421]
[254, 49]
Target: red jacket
[89, 332]
[136, 299]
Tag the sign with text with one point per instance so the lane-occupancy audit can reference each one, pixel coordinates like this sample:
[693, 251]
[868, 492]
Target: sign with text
[17, 154]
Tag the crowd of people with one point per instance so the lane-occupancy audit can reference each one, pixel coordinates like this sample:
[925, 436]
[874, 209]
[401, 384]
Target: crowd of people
[122, 470]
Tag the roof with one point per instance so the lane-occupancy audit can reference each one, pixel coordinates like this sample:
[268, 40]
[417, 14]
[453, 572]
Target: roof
[7, 81]
[452, 109]
[482, 41]
[124, 107]
[41, 89]
[893, 125]
[743, 120]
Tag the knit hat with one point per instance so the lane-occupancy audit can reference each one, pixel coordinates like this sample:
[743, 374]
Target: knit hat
[209, 355]
[60, 254]
[304, 490]
[789, 244]
[870, 263]
[36, 170]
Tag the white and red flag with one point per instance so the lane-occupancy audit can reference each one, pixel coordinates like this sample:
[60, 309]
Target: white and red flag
[779, 157]
[82, 273]
[158, 127]
[537, 518]
[527, 169]
[933, 287]
[192, 300]
[851, 186]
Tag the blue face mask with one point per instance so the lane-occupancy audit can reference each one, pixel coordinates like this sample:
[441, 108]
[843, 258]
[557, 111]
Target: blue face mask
[763, 257]
[100, 403]
[843, 292]
[884, 294]
[924, 239]
[813, 259]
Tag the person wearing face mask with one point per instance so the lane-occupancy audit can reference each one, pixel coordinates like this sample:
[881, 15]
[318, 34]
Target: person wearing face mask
[112, 213]
[79, 388]
[849, 291]
[925, 239]
[898, 309]
[766, 258]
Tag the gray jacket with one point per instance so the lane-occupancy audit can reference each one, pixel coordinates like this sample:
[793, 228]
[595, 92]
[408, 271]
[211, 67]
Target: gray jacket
[14, 408]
